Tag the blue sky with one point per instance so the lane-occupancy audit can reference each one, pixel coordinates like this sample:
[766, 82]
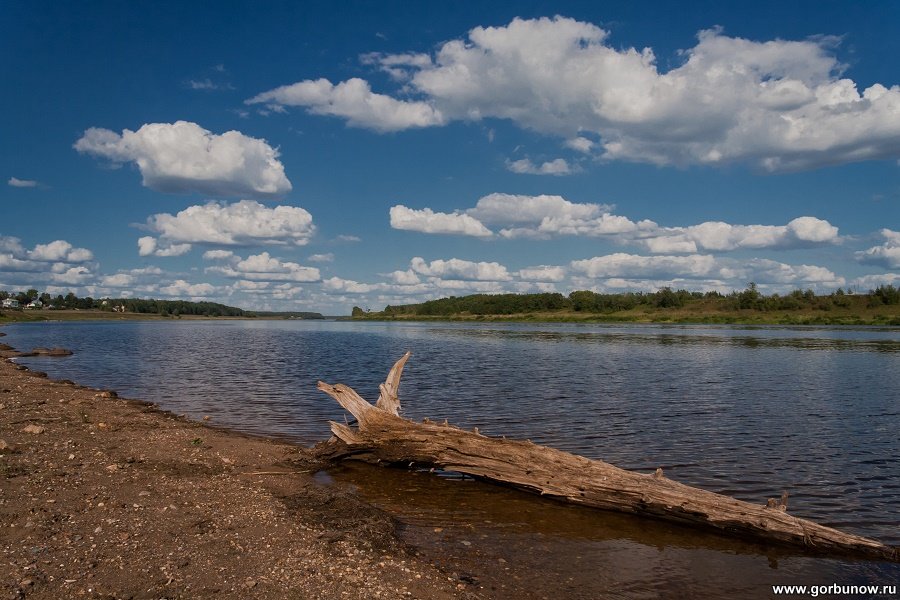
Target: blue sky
[317, 156]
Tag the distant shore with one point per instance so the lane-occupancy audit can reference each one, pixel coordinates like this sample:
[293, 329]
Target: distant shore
[888, 317]
[105, 497]
[34, 316]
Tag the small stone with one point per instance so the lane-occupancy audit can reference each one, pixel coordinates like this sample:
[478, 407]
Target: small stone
[4, 445]
[206, 417]
[143, 493]
[35, 429]
[249, 584]
[112, 468]
[466, 543]
[71, 457]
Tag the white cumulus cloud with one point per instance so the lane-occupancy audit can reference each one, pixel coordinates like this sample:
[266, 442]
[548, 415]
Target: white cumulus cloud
[716, 236]
[56, 262]
[703, 267]
[547, 216]
[457, 269]
[542, 273]
[181, 288]
[264, 267]
[777, 104]
[524, 166]
[60, 250]
[348, 286]
[355, 101]
[242, 223]
[513, 208]
[428, 221]
[183, 157]
[887, 254]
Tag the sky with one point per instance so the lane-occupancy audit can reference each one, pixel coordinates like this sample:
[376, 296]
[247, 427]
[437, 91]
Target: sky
[324, 155]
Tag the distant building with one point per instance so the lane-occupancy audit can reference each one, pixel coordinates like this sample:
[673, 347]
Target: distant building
[34, 305]
[10, 303]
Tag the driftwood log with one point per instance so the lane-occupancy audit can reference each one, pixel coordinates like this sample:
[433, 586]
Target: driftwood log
[382, 436]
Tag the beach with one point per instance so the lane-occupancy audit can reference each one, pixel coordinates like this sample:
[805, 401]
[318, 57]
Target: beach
[103, 497]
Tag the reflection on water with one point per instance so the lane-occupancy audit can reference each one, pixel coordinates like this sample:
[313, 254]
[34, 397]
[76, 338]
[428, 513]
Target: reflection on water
[743, 411]
[516, 545]
[683, 338]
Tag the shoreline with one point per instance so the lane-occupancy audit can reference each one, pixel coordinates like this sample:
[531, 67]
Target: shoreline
[110, 497]
[893, 322]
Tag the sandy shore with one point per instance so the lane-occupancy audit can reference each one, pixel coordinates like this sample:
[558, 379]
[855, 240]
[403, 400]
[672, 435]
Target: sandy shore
[102, 497]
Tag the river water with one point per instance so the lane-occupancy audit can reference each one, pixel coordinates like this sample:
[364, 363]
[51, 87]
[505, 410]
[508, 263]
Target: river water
[744, 411]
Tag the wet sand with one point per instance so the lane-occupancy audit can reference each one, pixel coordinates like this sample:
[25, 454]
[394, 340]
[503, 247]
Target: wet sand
[102, 497]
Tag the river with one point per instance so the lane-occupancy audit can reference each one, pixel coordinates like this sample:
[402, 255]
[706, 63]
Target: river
[744, 411]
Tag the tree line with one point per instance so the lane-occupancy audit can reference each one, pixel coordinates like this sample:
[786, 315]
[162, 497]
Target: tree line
[173, 308]
[586, 301]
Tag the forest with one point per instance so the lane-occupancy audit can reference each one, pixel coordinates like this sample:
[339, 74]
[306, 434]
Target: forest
[587, 302]
[172, 308]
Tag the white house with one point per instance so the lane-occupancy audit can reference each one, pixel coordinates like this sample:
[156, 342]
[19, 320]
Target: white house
[34, 305]
[10, 303]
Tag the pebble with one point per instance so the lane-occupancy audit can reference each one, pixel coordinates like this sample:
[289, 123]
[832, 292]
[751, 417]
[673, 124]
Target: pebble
[35, 429]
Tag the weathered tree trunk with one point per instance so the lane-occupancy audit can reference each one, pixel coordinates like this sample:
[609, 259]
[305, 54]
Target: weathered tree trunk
[383, 436]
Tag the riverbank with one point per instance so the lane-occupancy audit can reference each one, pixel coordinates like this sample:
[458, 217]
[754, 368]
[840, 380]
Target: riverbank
[106, 497]
[888, 316]
[33, 316]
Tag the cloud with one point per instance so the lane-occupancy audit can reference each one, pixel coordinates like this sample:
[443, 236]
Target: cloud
[580, 144]
[457, 269]
[355, 101]
[243, 223]
[131, 279]
[348, 238]
[207, 84]
[396, 65]
[217, 255]
[546, 216]
[56, 262]
[542, 273]
[886, 255]
[428, 221]
[722, 237]
[511, 208]
[554, 167]
[264, 267]
[407, 277]
[336, 284]
[149, 246]
[60, 250]
[777, 104]
[181, 288]
[22, 183]
[183, 157]
[202, 84]
[703, 267]
[322, 258]
[870, 282]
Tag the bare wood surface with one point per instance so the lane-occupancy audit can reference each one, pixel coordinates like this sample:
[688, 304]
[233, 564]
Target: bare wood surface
[382, 436]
